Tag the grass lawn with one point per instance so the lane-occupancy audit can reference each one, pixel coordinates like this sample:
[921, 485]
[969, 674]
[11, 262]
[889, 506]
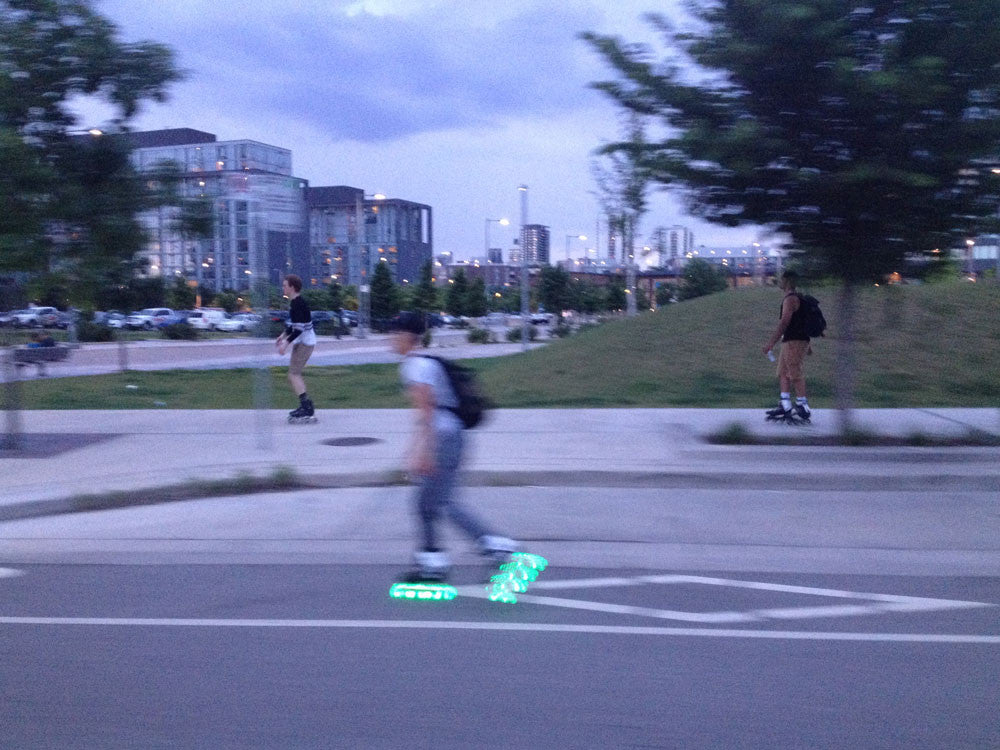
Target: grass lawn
[932, 345]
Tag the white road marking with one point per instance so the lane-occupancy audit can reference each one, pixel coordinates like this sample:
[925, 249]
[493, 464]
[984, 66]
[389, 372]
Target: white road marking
[531, 627]
[876, 603]
[10, 573]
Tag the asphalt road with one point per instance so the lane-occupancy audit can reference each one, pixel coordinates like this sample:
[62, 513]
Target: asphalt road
[309, 656]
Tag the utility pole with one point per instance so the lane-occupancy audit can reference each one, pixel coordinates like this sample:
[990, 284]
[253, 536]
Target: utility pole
[523, 189]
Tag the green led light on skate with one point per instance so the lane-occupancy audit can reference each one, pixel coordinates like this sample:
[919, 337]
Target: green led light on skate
[515, 576]
[429, 592]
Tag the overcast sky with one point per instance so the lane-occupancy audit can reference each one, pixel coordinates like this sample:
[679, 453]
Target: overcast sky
[453, 103]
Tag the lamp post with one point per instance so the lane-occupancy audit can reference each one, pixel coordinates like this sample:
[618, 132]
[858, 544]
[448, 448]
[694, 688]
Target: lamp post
[969, 265]
[365, 266]
[486, 242]
[523, 190]
[573, 237]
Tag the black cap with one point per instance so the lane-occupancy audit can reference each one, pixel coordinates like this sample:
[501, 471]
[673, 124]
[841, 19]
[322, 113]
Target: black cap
[410, 322]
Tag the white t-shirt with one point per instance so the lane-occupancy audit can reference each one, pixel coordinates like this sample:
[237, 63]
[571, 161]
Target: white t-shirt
[417, 369]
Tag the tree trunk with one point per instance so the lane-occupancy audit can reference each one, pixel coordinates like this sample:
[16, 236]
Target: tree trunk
[845, 371]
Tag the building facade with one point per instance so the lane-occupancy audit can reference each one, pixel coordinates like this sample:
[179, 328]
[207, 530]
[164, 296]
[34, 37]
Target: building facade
[350, 232]
[535, 244]
[266, 221]
[257, 206]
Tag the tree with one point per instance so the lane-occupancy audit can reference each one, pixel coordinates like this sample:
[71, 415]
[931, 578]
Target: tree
[554, 289]
[181, 296]
[425, 299]
[700, 278]
[614, 295]
[458, 294]
[317, 299]
[384, 294]
[586, 297]
[622, 184]
[228, 301]
[475, 300]
[863, 134]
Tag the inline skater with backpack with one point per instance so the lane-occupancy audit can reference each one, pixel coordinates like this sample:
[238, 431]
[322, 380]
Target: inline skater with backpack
[445, 402]
[800, 320]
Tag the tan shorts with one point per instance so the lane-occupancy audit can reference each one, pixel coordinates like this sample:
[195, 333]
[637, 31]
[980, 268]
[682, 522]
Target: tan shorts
[790, 359]
[300, 355]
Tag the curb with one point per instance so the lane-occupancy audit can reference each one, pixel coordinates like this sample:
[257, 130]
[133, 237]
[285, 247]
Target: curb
[196, 490]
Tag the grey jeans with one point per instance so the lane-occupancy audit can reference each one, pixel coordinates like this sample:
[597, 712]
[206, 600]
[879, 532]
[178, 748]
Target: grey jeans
[435, 493]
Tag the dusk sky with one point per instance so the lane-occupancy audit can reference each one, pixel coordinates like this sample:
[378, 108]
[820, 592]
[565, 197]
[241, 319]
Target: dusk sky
[448, 103]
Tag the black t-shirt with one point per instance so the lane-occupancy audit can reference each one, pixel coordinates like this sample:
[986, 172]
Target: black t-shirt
[298, 312]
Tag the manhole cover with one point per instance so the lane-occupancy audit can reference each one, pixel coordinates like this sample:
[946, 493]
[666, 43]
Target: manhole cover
[350, 441]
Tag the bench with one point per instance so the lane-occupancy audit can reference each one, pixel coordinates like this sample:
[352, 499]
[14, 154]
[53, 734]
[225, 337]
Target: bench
[23, 356]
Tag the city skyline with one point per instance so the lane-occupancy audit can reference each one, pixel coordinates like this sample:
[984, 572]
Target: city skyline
[445, 104]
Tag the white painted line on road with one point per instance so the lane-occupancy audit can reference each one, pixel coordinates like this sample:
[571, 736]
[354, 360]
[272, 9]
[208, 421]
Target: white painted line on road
[530, 627]
[876, 603]
[10, 572]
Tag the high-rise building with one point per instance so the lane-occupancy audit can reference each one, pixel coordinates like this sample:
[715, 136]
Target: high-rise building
[350, 232]
[680, 242]
[267, 221]
[258, 208]
[535, 244]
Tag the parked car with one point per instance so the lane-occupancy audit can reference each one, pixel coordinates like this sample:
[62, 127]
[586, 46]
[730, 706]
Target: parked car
[321, 316]
[450, 320]
[32, 316]
[7, 318]
[434, 320]
[113, 319]
[495, 319]
[150, 318]
[206, 319]
[541, 318]
[277, 316]
[55, 319]
[238, 322]
[349, 318]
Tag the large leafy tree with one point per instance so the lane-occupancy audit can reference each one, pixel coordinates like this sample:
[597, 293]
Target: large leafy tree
[71, 202]
[862, 132]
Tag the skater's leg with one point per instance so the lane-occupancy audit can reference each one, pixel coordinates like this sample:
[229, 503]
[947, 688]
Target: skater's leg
[296, 365]
[449, 460]
[428, 510]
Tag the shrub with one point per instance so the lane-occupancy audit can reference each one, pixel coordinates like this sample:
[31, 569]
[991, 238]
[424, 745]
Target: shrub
[480, 336]
[88, 331]
[514, 334]
[560, 329]
[328, 328]
[179, 331]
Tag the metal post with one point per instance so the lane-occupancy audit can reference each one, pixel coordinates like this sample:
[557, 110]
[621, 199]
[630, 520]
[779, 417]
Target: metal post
[524, 267]
[262, 372]
[12, 437]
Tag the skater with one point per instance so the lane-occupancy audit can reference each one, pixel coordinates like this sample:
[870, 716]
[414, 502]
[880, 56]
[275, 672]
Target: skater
[299, 333]
[794, 347]
[435, 456]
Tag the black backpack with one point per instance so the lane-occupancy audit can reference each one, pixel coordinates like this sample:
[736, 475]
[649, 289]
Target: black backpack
[813, 322]
[472, 402]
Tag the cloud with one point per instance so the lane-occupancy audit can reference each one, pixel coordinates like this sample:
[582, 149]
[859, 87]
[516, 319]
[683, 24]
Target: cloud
[363, 73]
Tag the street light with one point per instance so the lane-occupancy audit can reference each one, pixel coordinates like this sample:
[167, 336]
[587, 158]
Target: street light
[523, 190]
[486, 247]
[364, 301]
[573, 237]
[969, 267]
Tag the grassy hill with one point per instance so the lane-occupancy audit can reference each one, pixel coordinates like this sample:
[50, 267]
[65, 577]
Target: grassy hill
[916, 346]
[935, 345]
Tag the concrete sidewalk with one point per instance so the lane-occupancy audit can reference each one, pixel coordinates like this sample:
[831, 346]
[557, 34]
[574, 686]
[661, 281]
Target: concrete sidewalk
[67, 453]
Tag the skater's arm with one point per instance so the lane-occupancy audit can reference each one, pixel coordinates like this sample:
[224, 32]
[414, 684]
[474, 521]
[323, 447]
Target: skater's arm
[421, 458]
[788, 308]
